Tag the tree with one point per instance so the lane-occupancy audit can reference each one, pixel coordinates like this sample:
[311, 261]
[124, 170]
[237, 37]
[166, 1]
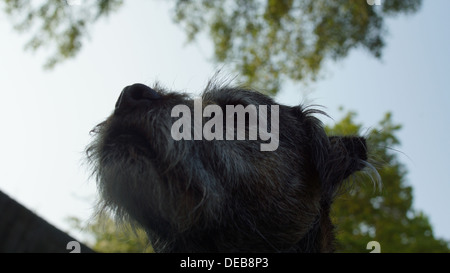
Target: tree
[363, 214]
[266, 41]
[111, 237]
[58, 23]
[269, 41]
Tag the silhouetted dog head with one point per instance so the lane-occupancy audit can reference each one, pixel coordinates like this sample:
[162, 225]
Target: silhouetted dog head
[180, 169]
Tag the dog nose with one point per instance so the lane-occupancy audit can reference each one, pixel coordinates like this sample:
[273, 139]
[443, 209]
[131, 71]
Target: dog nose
[136, 95]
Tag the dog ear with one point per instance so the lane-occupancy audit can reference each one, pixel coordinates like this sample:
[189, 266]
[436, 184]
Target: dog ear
[335, 158]
[347, 155]
[343, 157]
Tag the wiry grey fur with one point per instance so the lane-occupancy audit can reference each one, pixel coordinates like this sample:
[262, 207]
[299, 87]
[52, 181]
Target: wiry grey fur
[221, 196]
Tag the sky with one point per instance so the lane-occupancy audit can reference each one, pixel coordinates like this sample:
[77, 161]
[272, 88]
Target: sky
[46, 116]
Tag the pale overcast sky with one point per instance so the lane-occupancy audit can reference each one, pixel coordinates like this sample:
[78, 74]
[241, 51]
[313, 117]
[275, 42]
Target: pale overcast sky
[46, 116]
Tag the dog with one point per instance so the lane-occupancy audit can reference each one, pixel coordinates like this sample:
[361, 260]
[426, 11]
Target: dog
[200, 188]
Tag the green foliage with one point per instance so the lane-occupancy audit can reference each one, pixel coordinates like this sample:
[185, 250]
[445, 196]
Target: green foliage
[57, 24]
[109, 237]
[269, 41]
[363, 214]
[266, 42]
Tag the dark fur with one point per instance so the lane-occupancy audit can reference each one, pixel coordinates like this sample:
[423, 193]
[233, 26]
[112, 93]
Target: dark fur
[221, 196]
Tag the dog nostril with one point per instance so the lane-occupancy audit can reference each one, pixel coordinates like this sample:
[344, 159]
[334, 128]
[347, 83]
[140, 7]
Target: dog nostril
[134, 95]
